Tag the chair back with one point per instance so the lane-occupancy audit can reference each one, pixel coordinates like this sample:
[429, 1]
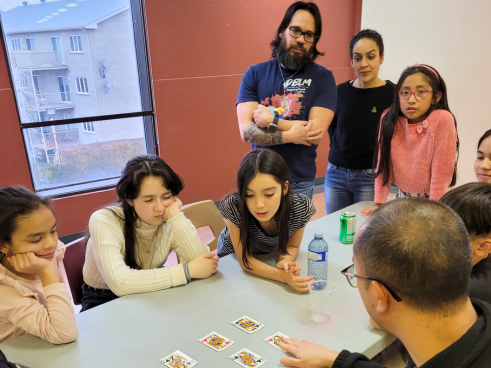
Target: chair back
[205, 213]
[74, 264]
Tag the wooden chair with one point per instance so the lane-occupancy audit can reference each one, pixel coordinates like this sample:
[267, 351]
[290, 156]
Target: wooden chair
[74, 264]
[205, 213]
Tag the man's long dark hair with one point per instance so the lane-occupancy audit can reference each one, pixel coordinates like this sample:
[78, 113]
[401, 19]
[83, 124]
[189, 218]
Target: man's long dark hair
[263, 161]
[299, 5]
[389, 120]
[128, 188]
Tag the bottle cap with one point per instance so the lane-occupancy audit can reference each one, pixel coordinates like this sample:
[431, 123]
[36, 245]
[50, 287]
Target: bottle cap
[318, 234]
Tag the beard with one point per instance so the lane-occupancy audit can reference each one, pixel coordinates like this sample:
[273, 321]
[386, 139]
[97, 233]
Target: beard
[295, 62]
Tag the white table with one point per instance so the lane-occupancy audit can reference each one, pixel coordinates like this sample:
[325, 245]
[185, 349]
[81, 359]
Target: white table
[138, 330]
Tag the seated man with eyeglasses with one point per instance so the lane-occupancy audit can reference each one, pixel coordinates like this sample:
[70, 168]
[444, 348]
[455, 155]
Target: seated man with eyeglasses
[304, 91]
[412, 265]
[472, 202]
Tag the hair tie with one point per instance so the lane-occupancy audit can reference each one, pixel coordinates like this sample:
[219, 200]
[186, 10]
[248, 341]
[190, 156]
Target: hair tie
[430, 69]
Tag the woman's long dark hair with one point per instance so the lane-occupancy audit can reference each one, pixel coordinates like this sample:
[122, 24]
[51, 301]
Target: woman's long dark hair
[263, 161]
[128, 188]
[16, 202]
[299, 5]
[389, 121]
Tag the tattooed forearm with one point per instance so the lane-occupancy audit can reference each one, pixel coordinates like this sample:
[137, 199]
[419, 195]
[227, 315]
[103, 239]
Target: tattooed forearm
[255, 135]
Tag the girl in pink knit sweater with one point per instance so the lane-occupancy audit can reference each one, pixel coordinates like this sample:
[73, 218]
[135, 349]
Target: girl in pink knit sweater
[418, 141]
[33, 297]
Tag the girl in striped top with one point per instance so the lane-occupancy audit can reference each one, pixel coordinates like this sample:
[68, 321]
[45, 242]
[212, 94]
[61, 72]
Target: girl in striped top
[264, 215]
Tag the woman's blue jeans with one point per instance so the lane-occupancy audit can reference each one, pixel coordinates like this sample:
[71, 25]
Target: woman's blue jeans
[344, 187]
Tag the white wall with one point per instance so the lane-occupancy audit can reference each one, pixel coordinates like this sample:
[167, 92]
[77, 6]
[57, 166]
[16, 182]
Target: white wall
[454, 36]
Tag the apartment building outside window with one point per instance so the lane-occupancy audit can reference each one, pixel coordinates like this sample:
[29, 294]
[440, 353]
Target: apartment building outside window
[70, 85]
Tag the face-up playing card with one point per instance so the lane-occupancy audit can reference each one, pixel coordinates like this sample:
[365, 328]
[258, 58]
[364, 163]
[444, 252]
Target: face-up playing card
[274, 340]
[178, 360]
[247, 324]
[216, 341]
[248, 359]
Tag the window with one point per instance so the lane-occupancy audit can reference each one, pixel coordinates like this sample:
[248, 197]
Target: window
[82, 85]
[64, 89]
[72, 143]
[38, 87]
[30, 44]
[75, 44]
[15, 44]
[88, 126]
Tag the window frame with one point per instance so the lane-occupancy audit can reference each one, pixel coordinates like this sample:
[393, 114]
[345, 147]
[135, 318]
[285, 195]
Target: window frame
[79, 44]
[32, 44]
[147, 112]
[90, 124]
[15, 44]
[82, 82]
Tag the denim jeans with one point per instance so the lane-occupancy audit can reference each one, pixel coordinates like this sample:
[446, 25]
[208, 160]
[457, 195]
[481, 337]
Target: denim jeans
[306, 188]
[94, 297]
[344, 187]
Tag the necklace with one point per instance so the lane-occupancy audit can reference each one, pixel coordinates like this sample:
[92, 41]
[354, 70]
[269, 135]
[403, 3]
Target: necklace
[282, 77]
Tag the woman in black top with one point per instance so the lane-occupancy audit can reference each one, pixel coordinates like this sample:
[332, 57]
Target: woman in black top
[353, 131]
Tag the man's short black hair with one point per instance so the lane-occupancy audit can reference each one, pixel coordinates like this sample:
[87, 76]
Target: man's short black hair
[420, 249]
[472, 202]
[299, 5]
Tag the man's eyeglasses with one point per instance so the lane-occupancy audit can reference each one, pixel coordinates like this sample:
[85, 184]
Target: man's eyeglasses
[349, 272]
[420, 94]
[297, 32]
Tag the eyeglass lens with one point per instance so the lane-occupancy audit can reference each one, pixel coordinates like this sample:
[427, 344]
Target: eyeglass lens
[419, 94]
[308, 36]
[352, 280]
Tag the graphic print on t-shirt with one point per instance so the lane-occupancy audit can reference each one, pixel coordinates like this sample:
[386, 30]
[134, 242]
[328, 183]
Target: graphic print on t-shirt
[293, 91]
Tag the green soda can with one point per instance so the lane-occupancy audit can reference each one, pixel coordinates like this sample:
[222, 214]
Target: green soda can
[347, 228]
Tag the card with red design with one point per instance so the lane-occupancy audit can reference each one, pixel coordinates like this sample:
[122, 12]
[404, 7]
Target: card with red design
[247, 324]
[216, 341]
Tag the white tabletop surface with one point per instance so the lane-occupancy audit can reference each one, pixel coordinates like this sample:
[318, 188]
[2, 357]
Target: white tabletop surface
[138, 330]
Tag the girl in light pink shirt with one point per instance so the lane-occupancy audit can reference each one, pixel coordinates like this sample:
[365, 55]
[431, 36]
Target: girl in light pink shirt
[33, 297]
[418, 141]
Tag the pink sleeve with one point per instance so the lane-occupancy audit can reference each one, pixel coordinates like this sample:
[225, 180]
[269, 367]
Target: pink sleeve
[382, 191]
[54, 323]
[444, 154]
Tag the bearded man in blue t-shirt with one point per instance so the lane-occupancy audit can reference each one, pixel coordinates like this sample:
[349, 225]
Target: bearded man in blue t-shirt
[287, 103]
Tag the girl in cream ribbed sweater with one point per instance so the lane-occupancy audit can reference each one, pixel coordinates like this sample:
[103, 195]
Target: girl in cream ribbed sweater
[129, 242]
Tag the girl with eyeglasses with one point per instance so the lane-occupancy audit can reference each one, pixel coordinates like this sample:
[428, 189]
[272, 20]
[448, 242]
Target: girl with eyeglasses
[265, 216]
[33, 296]
[418, 142]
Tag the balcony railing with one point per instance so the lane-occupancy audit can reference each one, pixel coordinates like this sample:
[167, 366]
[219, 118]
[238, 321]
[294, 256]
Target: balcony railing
[44, 100]
[45, 138]
[38, 59]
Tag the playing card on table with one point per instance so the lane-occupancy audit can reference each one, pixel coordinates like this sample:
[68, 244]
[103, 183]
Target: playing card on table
[247, 324]
[178, 360]
[247, 358]
[274, 340]
[216, 341]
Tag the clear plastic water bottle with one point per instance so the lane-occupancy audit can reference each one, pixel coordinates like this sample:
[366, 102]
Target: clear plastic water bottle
[318, 257]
